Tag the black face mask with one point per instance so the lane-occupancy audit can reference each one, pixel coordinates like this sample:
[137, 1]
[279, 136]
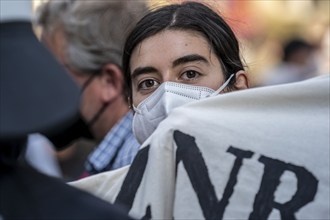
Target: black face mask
[79, 128]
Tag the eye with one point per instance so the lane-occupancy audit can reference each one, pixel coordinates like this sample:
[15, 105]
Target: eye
[148, 84]
[190, 74]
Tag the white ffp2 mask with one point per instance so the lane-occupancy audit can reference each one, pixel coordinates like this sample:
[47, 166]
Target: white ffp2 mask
[169, 95]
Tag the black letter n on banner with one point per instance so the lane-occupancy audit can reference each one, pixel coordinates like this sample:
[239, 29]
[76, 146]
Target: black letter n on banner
[264, 201]
[193, 161]
[133, 178]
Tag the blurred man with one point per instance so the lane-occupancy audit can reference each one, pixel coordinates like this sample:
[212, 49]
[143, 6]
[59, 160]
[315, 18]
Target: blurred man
[87, 37]
[298, 63]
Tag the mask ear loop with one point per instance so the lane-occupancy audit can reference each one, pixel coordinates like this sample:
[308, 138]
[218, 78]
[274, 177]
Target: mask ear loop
[131, 106]
[222, 87]
[101, 110]
[89, 80]
[136, 110]
[97, 115]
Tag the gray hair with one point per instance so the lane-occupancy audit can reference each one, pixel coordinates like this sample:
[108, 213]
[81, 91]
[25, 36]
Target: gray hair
[95, 31]
[49, 16]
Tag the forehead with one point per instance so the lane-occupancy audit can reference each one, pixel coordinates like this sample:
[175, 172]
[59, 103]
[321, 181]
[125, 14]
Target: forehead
[168, 45]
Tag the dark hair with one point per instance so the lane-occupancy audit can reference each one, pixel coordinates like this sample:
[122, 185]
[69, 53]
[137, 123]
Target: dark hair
[187, 16]
[293, 46]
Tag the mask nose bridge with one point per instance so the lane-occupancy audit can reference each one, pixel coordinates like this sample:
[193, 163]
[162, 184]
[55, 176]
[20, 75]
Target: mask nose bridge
[158, 105]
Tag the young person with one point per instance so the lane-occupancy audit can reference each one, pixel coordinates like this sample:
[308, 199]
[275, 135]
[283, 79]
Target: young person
[177, 58]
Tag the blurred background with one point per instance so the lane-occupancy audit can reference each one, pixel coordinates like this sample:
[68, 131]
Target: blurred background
[281, 41]
[265, 26]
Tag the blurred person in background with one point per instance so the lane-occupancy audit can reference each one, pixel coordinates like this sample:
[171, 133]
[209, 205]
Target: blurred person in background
[87, 38]
[298, 63]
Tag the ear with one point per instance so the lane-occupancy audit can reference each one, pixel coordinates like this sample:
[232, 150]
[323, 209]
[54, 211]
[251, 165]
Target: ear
[242, 81]
[111, 82]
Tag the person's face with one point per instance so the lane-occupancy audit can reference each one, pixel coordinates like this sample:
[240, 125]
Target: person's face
[176, 56]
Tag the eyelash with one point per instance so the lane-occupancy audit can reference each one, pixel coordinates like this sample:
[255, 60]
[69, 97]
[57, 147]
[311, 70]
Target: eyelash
[141, 85]
[194, 71]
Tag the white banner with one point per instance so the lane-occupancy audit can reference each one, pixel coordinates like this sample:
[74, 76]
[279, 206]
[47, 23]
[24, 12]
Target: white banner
[261, 153]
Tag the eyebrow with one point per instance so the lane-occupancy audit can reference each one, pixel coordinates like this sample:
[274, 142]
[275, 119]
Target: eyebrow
[189, 58]
[182, 60]
[142, 70]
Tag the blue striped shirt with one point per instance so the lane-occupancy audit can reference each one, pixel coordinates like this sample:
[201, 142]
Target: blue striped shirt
[117, 149]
